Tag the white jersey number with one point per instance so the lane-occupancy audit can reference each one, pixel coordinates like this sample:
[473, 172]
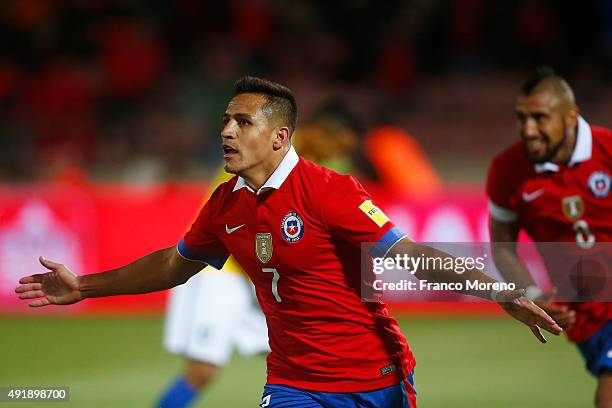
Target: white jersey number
[584, 237]
[274, 283]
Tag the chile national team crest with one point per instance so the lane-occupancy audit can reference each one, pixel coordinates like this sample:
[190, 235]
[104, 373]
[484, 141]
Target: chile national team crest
[599, 184]
[292, 227]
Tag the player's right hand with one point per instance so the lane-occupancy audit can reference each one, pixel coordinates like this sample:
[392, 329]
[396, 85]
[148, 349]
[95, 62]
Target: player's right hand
[58, 287]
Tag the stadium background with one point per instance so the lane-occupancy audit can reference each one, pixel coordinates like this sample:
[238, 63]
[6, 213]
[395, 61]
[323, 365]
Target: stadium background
[109, 116]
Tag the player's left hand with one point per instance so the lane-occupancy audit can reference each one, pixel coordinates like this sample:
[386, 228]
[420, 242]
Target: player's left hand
[524, 310]
[561, 313]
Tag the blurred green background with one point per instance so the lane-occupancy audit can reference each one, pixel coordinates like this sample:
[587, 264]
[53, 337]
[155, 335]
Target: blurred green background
[119, 362]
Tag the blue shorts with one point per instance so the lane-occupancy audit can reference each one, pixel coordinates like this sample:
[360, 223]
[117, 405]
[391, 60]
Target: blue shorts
[597, 351]
[401, 395]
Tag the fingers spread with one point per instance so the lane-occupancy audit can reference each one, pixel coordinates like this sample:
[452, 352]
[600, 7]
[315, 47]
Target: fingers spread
[48, 264]
[39, 302]
[31, 294]
[536, 332]
[547, 323]
[32, 278]
[564, 319]
[554, 329]
[540, 317]
[27, 287]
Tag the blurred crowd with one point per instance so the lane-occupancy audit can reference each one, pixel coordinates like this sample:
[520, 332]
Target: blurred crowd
[134, 90]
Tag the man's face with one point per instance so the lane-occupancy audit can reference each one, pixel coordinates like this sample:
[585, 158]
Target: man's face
[541, 125]
[247, 133]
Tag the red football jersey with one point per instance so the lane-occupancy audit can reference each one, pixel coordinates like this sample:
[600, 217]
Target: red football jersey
[560, 203]
[299, 239]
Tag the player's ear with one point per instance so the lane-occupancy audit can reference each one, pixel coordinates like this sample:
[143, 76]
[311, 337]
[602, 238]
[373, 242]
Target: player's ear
[281, 137]
[571, 118]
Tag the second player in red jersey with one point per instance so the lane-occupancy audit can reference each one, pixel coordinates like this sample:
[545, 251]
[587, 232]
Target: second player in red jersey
[555, 185]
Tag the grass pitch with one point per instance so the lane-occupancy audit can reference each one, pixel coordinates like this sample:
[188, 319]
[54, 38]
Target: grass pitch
[119, 362]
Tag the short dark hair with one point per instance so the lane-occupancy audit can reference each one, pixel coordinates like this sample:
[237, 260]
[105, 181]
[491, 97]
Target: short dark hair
[278, 97]
[536, 77]
[545, 78]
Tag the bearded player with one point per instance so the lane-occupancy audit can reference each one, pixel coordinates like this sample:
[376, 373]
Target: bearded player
[555, 185]
[296, 228]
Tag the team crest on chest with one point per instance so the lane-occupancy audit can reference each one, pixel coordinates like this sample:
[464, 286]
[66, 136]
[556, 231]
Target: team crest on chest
[573, 207]
[263, 246]
[599, 184]
[292, 227]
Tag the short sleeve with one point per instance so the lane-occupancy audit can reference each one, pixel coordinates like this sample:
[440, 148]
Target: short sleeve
[350, 214]
[201, 242]
[499, 190]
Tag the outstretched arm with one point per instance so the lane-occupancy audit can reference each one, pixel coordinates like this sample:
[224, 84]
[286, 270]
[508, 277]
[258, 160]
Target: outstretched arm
[506, 258]
[512, 302]
[512, 269]
[159, 270]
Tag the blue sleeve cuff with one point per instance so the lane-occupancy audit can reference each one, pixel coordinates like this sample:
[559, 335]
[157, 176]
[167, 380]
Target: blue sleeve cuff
[185, 252]
[386, 242]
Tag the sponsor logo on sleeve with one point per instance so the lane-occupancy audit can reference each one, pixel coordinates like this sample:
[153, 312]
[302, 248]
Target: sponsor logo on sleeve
[374, 213]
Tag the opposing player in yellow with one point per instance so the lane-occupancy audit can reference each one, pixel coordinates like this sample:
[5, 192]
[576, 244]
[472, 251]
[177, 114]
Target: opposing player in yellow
[208, 317]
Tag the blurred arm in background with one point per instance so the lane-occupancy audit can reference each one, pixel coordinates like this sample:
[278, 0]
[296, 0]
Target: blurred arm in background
[512, 269]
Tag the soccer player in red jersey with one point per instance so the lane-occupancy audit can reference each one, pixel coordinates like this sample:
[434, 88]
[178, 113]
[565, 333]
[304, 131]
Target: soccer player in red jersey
[296, 228]
[555, 185]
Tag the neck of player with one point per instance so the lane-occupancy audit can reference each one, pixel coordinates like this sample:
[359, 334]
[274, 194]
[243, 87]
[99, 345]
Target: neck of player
[257, 176]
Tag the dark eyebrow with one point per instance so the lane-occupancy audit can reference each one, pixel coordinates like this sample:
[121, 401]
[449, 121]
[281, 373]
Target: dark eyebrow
[535, 114]
[238, 116]
[243, 116]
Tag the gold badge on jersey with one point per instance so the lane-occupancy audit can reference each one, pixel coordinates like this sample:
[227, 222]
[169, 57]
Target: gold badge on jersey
[263, 246]
[573, 207]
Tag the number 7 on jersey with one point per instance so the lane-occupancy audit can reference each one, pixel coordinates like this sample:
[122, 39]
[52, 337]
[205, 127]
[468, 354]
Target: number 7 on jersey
[274, 282]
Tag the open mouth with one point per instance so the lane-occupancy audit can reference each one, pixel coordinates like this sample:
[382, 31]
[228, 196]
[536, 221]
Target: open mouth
[229, 151]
